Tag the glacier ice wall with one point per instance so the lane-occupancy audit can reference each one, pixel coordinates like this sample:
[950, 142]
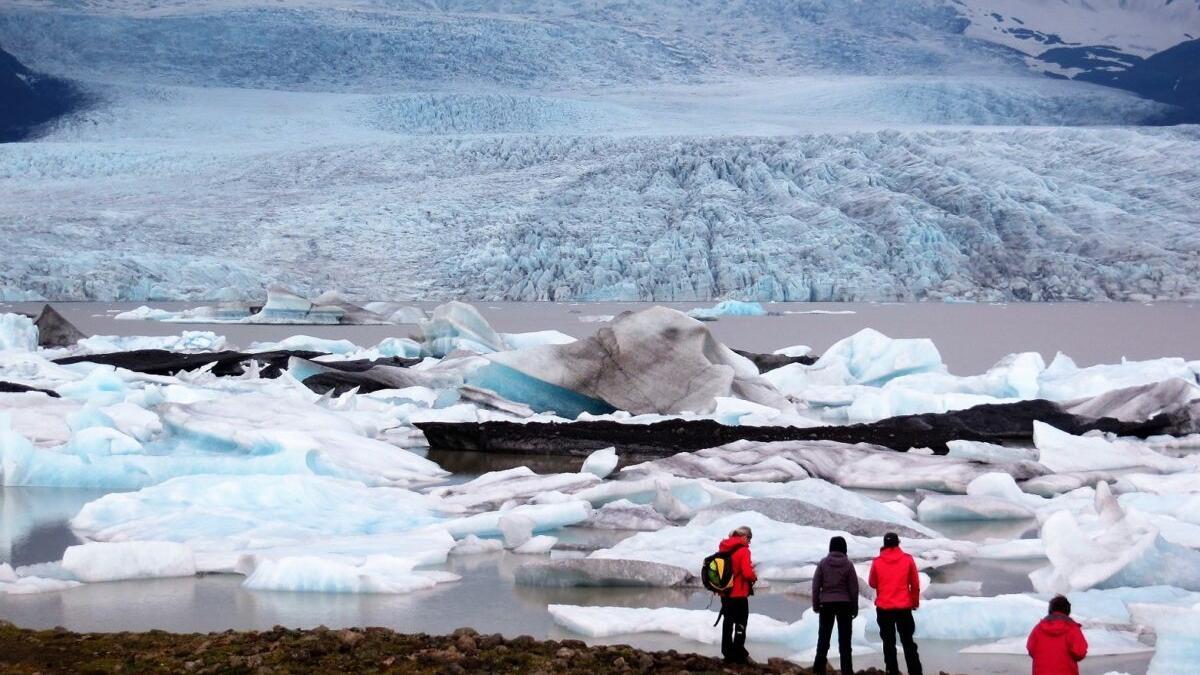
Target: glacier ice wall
[1027, 214]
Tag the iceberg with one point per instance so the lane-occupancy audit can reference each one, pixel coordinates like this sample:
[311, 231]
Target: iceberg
[18, 332]
[12, 583]
[654, 361]
[251, 512]
[103, 561]
[1062, 452]
[1111, 548]
[777, 546]
[284, 306]
[600, 463]
[518, 484]
[577, 572]
[1177, 637]
[727, 308]
[316, 574]
[934, 508]
[623, 514]
[457, 326]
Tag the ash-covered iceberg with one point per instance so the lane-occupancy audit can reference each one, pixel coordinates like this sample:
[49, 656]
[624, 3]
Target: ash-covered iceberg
[657, 360]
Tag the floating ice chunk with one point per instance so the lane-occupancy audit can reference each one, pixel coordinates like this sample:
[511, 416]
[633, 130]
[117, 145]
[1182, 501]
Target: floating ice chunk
[625, 515]
[1101, 642]
[516, 530]
[727, 308]
[654, 361]
[934, 508]
[17, 332]
[536, 339]
[101, 561]
[537, 545]
[829, 496]
[545, 517]
[144, 313]
[519, 483]
[314, 574]
[962, 618]
[402, 347]
[689, 624]
[596, 318]
[1177, 637]
[601, 462]
[1063, 452]
[1138, 403]
[872, 358]
[396, 313]
[13, 584]
[1011, 549]
[187, 341]
[794, 350]
[803, 513]
[284, 306]
[776, 545]
[472, 545]
[101, 386]
[1112, 550]
[307, 343]
[458, 326]
[850, 466]
[600, 572]
[1063, 380]
[102, 441]
[991, 453]
[241, 512]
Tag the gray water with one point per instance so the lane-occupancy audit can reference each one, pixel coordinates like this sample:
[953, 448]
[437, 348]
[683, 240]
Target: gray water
[970, 337]
[34, 521]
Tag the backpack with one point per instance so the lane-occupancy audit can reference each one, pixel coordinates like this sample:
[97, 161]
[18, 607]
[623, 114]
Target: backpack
[717, 571]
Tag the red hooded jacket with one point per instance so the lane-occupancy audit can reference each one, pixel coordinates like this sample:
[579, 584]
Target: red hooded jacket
[1057, 646]
[743, 570]
[894, 577]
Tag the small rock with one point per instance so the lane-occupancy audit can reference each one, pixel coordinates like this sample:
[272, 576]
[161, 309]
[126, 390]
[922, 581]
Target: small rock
[620, 663]
[565, 653]
[191, 665]
[466, 643]
[349, 637]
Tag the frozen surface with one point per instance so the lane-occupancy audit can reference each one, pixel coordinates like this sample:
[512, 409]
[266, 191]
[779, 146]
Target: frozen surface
[728, 308]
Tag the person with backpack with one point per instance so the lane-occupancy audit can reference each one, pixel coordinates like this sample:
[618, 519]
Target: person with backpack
[1057, 644]
[730, 574]
[835, 598]
[898, 592]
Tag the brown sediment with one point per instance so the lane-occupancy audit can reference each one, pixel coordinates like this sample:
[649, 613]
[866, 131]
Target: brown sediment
[323, 650]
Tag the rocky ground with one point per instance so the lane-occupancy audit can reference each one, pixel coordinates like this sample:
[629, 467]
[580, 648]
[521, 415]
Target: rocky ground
[321, 650]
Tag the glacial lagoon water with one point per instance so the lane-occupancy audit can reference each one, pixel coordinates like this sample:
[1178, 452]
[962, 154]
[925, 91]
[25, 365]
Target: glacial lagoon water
[34, 521]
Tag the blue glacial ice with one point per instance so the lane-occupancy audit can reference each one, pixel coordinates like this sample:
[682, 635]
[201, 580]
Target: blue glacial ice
[727, 308]
[17, 332]
[104, 561]
[315, 574]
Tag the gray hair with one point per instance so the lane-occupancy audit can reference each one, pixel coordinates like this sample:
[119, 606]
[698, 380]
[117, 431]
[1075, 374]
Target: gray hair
[742, 531]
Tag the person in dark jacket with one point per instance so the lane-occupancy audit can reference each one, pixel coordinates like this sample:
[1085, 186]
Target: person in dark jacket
[898, 593]
[835, 598]
[1057, 644]
[735, 605]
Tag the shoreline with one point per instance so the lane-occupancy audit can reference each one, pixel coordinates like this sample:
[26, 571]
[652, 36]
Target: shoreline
[321, 650]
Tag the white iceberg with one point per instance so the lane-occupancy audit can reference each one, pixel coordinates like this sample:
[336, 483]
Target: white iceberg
[600, 463]
[104, 561]
[315, 574]
[17, 332]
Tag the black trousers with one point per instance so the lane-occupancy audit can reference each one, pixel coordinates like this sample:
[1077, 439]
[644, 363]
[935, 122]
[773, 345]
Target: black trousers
[892, 621]
[843, 614]
[735, 611]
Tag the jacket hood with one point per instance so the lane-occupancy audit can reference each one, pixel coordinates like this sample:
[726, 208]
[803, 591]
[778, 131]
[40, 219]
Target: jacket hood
[837, 559]
[892, 555]
[730, 543]
[1056, 624]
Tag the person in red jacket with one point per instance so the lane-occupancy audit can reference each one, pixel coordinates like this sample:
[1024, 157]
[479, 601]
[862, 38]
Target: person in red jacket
[735, 605]
[1057, 644]
[897, 594]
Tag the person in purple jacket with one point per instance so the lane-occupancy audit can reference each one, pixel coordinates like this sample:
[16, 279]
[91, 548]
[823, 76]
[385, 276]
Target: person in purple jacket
[835, 598]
